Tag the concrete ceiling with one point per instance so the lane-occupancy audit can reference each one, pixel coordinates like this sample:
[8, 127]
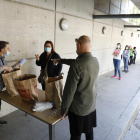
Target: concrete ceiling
[137, 3]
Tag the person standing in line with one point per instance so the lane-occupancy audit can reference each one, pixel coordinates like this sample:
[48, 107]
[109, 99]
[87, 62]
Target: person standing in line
[117, 60]
[131, 55]
[135, 53]
[79, 96]
[126, 54]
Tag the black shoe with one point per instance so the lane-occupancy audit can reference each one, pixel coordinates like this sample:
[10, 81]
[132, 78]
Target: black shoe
[2, 122]
[124, 71]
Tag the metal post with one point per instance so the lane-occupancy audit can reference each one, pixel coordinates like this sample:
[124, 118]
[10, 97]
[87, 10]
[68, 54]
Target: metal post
[51, 132]
[132, 26]
[116, 16]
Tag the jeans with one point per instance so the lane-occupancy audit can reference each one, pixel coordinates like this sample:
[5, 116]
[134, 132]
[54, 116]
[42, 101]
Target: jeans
[125, 60]
[117, 66]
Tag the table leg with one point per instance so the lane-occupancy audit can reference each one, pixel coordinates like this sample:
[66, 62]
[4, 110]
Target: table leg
[51, 132]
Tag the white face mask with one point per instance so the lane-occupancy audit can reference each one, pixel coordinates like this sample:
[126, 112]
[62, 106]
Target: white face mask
[118, 46]
[8, 52]
[126, 48]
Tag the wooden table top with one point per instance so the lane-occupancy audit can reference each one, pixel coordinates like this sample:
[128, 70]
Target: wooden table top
[51, 116]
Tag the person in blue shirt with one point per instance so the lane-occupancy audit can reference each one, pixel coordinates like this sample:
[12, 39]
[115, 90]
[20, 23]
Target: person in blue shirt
[126, 55]
[4, 51]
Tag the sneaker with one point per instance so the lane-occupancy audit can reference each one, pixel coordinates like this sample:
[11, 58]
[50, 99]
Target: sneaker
[120, 78]
[127, 71]
[2, 122]
[124, 71]
[114, 76]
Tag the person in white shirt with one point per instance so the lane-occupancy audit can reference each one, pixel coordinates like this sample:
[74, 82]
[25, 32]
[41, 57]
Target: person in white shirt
[117, 60]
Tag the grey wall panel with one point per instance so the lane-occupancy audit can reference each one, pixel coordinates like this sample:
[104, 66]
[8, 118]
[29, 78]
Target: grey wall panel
[114, 9]
[127, 38]
[102, 55]
[102, 5]
[65, 40]
[116, 37]
[118, 23]
[106, 21]
[80, 8]
[26, 28]
[101, 41]
[46, 4]
[117, 3]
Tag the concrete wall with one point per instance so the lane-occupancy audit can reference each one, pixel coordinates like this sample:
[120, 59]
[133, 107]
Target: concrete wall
[28, 24]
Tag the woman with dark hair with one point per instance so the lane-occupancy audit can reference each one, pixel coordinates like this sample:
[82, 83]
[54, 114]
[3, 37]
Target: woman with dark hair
[126, 54]
[117, 60]
[45, 59]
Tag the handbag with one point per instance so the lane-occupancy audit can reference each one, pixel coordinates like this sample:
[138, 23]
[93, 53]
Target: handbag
[43, 73]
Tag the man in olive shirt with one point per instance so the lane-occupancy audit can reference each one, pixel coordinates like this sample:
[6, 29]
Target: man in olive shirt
[79, 96]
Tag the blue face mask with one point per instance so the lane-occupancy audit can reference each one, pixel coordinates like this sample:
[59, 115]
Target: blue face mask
[48, 49]
[8, 52]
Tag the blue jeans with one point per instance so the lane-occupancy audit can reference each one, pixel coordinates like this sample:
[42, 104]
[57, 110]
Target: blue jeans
[125, 60]
[117, 66]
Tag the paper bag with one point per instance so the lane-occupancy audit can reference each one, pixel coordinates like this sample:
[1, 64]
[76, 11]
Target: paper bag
[26, 86]
[54, 90]
[8, 79]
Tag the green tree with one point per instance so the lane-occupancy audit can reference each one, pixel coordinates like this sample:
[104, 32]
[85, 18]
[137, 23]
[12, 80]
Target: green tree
[135, 21]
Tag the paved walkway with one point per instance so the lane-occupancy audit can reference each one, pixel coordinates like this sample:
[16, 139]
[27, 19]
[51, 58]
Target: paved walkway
[134, 132]
[116, 103]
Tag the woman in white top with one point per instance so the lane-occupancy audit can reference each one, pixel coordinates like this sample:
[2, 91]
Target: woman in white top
[117, 60]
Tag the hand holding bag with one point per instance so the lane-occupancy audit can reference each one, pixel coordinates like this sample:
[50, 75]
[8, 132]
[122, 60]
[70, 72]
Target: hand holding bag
[43, 73]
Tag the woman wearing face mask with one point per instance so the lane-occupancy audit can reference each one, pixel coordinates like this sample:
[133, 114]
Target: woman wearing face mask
[45, 58]
[4, 51]
[117, 60]
[126, 54]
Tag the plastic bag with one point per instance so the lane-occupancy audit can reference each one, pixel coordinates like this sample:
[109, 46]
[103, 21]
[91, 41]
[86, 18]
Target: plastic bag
[42, 106]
